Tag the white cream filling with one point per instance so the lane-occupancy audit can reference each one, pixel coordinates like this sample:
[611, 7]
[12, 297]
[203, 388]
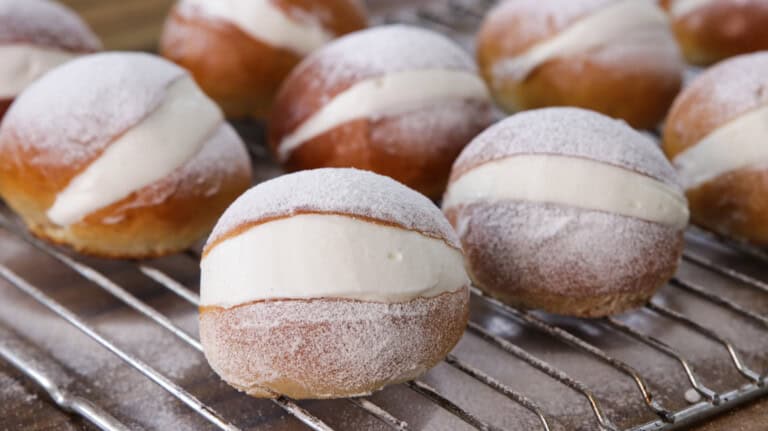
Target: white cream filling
[265, 21]
[386, 95]
[328, 256]
[683, 7]
[626, 24]
[21, 64]
[149, 151]
[571, 181]
[737, 144]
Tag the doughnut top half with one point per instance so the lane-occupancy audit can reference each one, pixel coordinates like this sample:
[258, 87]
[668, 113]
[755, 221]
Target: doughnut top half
[569, 132]
[45, 23]
[348, 192]
[721, 94]
[68, 117]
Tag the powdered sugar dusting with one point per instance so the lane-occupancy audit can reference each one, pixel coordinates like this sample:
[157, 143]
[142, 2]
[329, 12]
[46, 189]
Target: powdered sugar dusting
[721, 94]
[331, 345]
[72, 113]
[348, 191]
[379, 51]
[45, 23]
[571, 251]
[570, 132]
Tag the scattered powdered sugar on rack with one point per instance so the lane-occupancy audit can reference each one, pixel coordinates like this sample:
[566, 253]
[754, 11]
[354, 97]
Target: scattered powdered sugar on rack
[346, 191]
[46, 23]
[380, 51]
[569, 132]
[71, 114]
[723, 93]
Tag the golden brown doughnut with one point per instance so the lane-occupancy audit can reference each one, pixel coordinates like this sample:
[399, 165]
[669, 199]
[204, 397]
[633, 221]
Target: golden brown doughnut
[330, 283]
[36, 36]
[119, 155]
[242, 70]
[616, 57]
[715, 136]
[712, 30]
[396, 100]
[568, 211]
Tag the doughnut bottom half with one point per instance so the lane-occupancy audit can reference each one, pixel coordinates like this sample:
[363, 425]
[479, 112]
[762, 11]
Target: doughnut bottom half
[330, 348]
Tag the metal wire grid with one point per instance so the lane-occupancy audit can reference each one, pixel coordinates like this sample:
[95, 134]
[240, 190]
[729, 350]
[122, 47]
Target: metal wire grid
[713, 401]
[447, 18]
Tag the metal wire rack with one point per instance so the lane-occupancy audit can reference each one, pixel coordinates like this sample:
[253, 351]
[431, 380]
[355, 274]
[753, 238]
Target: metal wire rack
[724, 278]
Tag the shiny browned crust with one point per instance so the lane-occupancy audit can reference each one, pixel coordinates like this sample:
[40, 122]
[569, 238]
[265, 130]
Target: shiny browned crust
[733, 205]
[640, 95]
[723, 29]
[241, 73]
[531, 289]
[303, 356]
[420, 160]
[168, 225]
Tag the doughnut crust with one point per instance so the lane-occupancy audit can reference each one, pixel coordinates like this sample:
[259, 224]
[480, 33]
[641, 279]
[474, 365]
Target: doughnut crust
[596, 80]
[240, 72]
[415, 147]
[722, 29]
[730, 204]
[330, 348]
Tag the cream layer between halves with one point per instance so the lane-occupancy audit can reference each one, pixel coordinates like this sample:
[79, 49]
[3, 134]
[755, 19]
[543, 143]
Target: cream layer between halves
[570, 181]
[386, 95]
[628, 24]
[740, 143]
[265, 21]
[165, 140]
[328, 256]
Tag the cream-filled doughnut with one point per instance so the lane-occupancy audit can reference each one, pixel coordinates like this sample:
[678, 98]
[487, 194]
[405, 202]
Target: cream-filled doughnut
[35, 37]
[715, 136]
[617, 57]
[712, 30]
[120, 155]
[567, 210]
[330, 283]
[397, 100]
[239, 51]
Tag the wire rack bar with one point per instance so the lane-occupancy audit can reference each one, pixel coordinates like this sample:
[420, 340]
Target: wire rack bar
[584, 346]
[741, 246]
[169, 283]
[547, 369]
[660, 346]
[718, 300]
[712, 335]
[380, 413]
[50, 377]
[51, 304]
[432, 393]
[498, 387]
[723, 270]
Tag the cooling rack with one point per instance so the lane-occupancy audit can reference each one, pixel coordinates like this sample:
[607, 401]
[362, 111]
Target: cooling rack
[116, 342]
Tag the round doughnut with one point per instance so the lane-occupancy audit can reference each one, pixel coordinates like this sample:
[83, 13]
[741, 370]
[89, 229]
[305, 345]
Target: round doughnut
[712, 30]
[119, 155]
[715, 137]
[239, 51]
[36, 36]
[396, 100]
[567, 210]
[330, 283]
[617, 57]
